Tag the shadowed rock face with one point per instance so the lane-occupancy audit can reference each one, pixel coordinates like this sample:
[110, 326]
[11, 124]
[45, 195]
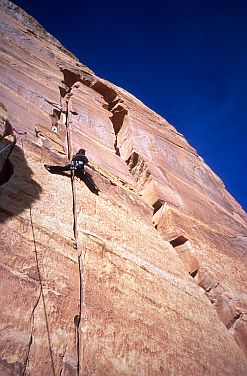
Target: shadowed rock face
[18, 189]
[146, 278]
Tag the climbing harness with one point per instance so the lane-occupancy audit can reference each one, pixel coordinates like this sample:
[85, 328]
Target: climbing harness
[76, 164]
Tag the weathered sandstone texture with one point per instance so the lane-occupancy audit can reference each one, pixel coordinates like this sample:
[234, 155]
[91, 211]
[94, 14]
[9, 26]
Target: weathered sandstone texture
[146, 278]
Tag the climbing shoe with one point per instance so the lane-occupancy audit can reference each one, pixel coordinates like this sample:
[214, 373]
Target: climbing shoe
[47, 167]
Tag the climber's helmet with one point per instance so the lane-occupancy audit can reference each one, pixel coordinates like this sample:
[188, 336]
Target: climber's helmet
[81, 151]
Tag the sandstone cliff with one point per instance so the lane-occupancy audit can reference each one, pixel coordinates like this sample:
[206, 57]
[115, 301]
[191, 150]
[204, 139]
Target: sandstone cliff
[146, 278]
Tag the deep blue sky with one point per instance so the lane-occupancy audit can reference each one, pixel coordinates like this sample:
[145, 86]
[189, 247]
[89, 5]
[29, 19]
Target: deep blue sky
[186, 59]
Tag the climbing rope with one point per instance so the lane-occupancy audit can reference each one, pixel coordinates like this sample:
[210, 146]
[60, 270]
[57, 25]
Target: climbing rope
[18, 132]
[41, 293]
[7, 167]
[5, 148]
[14, 142]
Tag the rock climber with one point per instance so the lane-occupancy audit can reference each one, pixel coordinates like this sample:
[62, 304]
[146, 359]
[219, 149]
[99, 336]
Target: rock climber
[77, 164]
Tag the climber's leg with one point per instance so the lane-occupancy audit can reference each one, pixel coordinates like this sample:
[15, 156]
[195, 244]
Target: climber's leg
[57, 169]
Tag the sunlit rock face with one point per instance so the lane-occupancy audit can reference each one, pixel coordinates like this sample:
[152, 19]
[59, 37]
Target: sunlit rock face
[147, 277]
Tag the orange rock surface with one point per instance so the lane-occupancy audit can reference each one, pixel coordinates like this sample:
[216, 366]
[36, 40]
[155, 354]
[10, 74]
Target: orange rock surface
[146, 278]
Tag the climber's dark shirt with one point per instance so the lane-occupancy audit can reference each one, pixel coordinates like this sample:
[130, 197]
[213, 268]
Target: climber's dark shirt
[78, 162]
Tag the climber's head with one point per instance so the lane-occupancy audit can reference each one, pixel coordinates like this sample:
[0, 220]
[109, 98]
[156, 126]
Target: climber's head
[81, 151]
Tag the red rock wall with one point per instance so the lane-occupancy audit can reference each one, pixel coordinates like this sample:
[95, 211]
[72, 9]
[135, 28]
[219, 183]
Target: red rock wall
[146, 278]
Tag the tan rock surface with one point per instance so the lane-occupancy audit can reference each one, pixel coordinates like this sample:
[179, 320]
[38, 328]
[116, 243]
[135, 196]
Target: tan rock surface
[146, 278]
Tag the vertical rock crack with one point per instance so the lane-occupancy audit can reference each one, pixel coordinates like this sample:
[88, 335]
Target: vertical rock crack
[31, 335]
[70, 79]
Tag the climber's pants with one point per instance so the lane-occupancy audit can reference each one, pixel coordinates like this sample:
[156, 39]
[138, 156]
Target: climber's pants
[57, 169]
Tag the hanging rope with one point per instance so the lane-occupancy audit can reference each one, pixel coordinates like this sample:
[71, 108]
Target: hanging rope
[7, 167]
[12, 145]
[5, 148]
[18, 132]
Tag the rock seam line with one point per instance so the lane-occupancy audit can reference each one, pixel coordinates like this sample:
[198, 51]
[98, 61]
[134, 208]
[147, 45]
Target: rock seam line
[43, 298]
[31, 335]
[41, 295]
